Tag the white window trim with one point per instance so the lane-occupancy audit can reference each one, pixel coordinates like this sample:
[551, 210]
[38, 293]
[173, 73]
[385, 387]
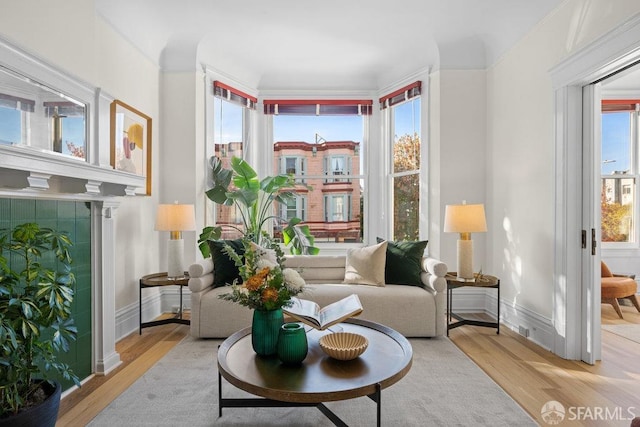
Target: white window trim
[634, 173]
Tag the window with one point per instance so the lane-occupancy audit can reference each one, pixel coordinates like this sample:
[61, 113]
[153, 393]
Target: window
[320, 140]
[336, 166]
[292, 165]
[337, 208]
[295, 208]
[67, 127]
[35, 115]
[11, 129]
[619, 174]
[402, 109]
[230, 136]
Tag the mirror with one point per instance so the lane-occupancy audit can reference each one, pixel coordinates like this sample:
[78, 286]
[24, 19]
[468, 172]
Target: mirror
[37, 116]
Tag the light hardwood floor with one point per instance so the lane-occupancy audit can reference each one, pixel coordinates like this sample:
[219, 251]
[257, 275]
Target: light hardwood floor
[530, 374]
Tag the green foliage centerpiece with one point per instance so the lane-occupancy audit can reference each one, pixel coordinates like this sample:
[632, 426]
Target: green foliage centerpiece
[266, 287]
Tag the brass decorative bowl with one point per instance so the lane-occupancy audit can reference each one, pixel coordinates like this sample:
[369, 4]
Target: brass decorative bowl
[343, 345]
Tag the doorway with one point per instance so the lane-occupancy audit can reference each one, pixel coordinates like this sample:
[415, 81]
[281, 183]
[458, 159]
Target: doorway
[576, 299]
[620, 184]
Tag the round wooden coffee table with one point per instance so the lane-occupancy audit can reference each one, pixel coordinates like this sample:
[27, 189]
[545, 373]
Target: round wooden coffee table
[319, 378]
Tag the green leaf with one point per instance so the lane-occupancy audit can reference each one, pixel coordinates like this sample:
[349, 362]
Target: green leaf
[300, 238]
[208, 233]
[245, 177]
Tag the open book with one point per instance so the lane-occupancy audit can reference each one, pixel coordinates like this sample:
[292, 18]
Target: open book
[321, 318]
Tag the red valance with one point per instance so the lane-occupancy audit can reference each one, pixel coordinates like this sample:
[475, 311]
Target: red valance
[234, 95]
[401, 95]
[318, 107]
[619, 105]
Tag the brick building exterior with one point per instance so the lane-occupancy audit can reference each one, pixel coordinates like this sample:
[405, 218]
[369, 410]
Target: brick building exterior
[327, 201]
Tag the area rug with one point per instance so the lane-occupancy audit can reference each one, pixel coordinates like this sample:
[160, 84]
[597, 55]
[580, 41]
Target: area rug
[628, 331]
[443, 388]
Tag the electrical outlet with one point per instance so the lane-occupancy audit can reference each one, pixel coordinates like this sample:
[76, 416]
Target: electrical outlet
[523, 331]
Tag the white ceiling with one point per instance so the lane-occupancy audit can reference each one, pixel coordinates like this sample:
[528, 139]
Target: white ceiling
[329, 44]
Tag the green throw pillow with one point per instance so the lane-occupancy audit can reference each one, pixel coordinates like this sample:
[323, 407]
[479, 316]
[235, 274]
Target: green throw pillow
[224, 269]
[404, 262]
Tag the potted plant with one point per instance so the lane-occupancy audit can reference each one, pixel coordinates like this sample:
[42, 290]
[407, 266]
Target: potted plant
[241, 187]
[36, 291]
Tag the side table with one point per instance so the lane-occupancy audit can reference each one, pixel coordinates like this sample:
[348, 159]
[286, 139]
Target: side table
[485, 281]
[161, 279]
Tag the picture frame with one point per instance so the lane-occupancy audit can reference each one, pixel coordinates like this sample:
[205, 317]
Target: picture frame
[131, 142]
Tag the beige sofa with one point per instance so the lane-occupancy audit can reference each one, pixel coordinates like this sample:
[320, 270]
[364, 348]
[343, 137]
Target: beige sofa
[414, 311]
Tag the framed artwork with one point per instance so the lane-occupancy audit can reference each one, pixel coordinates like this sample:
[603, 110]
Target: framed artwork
[131, 142]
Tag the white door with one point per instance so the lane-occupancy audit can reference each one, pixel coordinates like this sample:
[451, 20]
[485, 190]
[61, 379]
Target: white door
[591, 231]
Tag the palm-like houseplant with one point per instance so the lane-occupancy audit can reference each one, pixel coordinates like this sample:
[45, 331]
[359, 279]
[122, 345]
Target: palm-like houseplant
[241, 186]
[35, 315]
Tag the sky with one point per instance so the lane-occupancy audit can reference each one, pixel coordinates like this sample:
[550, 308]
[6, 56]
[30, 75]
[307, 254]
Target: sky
[10, 129]
[615, 142]
[305, 128]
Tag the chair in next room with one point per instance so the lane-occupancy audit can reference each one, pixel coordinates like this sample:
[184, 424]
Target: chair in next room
[617, 286]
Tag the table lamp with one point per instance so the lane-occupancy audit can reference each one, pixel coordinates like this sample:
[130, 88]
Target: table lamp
[465, 219]
[175, 219]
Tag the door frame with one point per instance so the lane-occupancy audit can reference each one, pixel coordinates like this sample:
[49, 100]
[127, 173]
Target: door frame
[575, 322]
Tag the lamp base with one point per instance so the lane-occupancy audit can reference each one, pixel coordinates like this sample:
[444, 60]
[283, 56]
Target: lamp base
[465, 260]
[175, 259]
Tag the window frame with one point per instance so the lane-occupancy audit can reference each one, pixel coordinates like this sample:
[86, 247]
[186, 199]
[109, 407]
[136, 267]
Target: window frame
[347, 212]
[412, 92]
[634, 172]
[300, 208]
[362, 150]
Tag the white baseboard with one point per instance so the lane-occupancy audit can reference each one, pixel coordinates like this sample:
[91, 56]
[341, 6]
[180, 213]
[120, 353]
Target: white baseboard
[513, 316]
[154, 304]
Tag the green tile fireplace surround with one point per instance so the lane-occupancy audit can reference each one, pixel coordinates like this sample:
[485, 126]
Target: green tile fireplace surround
[74, 218]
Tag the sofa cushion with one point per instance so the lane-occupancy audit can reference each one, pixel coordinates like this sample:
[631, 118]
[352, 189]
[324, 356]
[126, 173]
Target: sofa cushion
[224, 269]
[365, 266]
[404, 262]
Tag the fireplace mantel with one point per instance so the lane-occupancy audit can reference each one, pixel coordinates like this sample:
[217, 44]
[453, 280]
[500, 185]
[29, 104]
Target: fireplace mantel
[25, 170]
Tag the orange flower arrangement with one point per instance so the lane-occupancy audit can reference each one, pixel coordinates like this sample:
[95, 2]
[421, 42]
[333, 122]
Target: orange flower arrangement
[266, 284]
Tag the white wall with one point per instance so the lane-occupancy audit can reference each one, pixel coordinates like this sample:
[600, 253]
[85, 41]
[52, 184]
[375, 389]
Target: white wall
[182, 165]
[70, 36]
[520, 148]
[458, 154]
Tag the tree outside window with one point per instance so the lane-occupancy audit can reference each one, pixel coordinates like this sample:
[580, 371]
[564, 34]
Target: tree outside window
[406, 170]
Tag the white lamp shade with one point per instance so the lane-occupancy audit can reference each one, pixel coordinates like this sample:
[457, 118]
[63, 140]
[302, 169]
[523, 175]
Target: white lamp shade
[465, 219]
[175, 218]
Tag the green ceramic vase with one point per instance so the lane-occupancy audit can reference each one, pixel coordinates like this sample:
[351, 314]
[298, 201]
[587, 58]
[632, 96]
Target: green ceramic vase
[292, 343]
[265, 330]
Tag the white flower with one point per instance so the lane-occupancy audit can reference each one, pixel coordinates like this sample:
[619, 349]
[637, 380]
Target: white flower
[262, 263]
[293, 280]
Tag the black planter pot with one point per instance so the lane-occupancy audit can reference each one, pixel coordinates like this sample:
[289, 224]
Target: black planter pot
[44, 415]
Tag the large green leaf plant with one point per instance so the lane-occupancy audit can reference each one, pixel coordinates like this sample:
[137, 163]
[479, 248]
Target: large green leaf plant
[240, 186]
[35, 312]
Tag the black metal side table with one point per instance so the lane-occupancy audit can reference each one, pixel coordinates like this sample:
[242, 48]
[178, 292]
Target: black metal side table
[483, 281]
[161, 279]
